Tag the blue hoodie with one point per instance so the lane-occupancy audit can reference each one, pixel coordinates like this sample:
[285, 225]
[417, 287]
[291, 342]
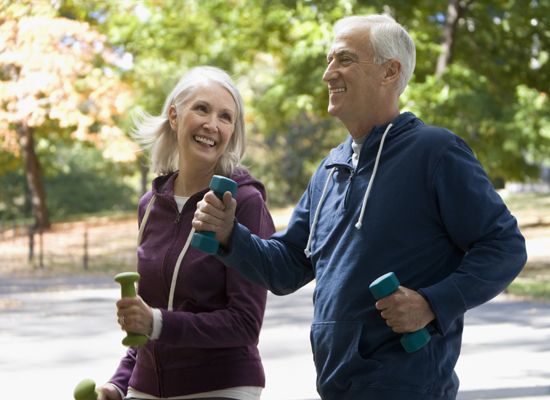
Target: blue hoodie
[431, 216]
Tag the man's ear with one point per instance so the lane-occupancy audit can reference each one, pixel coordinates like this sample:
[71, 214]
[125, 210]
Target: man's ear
[173, 117]
[393, 70]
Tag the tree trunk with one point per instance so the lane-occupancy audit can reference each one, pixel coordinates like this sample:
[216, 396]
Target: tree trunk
[33, 172]
[454, 13]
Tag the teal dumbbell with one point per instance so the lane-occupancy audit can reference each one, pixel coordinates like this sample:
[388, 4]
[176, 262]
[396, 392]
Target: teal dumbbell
[205, 240]
[386, 285]
[127, 282]
[85, 390]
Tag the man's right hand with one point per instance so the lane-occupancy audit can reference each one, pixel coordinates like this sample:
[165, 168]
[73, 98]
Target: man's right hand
[217, 216]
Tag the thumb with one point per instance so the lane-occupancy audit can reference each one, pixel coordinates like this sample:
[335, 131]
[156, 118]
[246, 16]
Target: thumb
[228, 200]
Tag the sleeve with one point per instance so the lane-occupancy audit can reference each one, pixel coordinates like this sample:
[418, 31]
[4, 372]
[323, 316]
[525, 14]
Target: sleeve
[278, 263]
[239, 322]
[122, 374]
[478, 222]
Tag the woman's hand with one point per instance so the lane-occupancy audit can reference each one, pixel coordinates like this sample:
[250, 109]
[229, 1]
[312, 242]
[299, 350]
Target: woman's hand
[134, 315]
[108, 392]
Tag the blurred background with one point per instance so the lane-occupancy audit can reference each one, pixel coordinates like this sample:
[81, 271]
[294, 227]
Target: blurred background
[73, 71]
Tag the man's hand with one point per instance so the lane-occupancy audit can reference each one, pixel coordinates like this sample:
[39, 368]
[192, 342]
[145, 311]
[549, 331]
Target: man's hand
[217, 216]
[405, 310]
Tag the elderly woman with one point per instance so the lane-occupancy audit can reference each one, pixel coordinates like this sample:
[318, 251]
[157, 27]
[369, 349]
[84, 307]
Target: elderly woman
[202, 319]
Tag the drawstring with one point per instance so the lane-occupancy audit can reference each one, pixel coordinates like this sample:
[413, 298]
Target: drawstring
[314, 225]
[369, 187]
[359, 223]
[176, 270]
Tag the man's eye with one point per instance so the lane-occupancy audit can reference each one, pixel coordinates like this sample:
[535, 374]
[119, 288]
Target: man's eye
[201, 107]
[345, 60]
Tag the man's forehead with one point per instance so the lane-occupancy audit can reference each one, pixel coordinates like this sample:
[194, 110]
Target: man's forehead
[353, 40]
[342, 46]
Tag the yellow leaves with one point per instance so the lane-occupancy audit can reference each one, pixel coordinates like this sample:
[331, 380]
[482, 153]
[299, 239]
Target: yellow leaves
[118, 147]
[54, 74]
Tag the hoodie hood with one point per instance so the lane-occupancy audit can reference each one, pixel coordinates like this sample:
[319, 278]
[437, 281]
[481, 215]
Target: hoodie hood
[341, 155]
[164, 185]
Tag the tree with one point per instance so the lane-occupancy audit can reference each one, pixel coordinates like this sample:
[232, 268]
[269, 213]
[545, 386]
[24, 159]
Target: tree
[57, 79]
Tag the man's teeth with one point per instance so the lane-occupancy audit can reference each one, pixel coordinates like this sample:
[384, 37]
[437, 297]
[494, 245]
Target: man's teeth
[338, 90]
[204, 140]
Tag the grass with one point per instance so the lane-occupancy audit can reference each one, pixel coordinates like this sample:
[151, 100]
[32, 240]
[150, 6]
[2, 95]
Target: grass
[533, 213]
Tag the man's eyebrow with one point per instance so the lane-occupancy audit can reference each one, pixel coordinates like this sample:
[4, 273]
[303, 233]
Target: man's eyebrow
[342, 53]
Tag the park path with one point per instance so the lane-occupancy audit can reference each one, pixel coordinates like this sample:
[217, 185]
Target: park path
[53, 333]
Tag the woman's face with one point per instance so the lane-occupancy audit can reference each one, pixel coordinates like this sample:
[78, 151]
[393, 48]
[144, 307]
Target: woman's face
[205, 126]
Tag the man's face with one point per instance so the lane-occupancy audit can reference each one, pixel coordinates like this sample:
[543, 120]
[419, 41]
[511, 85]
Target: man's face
[353, 79]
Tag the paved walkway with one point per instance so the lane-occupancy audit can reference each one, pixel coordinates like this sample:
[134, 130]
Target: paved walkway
[50, 340]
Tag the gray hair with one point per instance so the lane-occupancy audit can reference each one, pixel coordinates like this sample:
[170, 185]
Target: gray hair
[155, 134]
[388, 39]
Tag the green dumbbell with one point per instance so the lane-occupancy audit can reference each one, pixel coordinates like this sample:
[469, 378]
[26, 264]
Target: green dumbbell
[127, 282]
[85, 390]
[386, 285]
[205, 240]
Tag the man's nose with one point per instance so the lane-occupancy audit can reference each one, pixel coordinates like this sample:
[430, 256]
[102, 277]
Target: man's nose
[330, 73]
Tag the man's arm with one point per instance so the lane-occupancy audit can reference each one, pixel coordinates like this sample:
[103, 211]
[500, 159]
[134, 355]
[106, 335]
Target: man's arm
[279, 263]
[478, 222]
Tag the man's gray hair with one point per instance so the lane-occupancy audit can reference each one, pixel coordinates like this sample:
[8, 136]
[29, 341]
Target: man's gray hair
[154, 132]
[389, 40]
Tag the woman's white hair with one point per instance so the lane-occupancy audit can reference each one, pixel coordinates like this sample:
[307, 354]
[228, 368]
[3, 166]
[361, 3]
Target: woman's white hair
[155, 134]
[388, 40]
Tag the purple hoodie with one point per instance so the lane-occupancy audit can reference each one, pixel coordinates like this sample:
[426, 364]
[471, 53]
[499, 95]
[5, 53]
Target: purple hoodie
[209, 342]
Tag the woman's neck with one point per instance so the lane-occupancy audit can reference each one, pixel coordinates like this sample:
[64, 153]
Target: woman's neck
[188, 183]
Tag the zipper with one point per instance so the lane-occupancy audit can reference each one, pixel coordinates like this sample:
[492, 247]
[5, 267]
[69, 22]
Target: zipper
[178, 214]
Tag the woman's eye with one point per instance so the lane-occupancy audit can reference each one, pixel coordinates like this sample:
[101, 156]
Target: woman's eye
[201, 107]
[227, 118]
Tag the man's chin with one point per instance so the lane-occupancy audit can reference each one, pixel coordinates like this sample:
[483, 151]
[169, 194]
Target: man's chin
[332, 110]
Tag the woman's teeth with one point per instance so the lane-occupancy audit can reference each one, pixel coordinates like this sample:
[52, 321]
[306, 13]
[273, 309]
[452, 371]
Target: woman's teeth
[205, 140]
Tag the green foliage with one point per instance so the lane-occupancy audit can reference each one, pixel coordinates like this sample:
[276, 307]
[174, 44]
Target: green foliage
[88, 183]
[82, 181]
[493, 93]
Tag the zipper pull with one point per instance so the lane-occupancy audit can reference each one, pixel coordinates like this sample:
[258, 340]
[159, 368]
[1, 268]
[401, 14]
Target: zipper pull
[177, 218]
[351, 173]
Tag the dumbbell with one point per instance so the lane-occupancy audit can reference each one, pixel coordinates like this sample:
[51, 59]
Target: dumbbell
[386, 285]
[127, 282]
[205, 240]
[85, 390]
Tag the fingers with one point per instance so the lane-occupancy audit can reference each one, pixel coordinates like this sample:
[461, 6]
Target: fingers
[401, 311]
[211, 212]
[215, 215]
[133, 315]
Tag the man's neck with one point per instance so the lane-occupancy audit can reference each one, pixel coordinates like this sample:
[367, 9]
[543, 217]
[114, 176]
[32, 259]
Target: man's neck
[363, 127]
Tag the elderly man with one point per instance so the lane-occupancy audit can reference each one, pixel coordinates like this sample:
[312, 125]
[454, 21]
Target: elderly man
[397, 195]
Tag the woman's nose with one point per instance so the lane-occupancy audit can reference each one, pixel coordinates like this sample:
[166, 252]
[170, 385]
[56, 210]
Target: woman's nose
[211, 123]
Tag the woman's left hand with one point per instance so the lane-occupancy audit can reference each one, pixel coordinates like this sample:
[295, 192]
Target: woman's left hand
[134, 315]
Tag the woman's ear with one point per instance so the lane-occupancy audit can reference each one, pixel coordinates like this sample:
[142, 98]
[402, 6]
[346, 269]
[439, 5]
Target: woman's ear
[173, 118]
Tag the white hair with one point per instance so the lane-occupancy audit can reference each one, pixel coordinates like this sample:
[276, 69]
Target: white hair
[388, 40]
[155, 134]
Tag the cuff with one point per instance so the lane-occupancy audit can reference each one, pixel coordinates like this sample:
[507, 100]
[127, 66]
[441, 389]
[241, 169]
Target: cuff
[157, 324]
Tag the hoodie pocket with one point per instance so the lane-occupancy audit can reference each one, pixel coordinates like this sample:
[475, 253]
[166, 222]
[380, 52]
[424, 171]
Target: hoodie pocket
[337, 353]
